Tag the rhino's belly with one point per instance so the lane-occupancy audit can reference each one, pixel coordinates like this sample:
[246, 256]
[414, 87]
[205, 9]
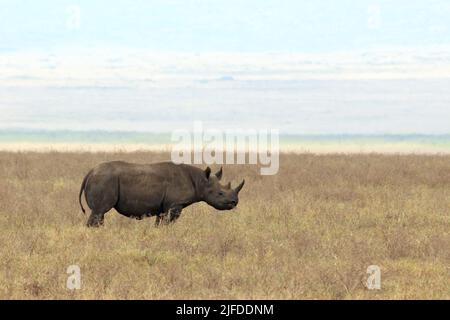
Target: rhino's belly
[137, 208]
[139, 196]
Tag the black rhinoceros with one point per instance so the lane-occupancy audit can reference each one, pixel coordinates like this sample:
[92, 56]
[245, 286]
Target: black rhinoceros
[159, 189]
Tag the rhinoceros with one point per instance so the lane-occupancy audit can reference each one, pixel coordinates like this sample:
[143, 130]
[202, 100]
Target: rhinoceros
[159, 189]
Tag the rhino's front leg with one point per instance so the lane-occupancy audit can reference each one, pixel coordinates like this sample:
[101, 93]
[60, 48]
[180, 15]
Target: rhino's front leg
[174, 213]
[158, 220]
[170, 216]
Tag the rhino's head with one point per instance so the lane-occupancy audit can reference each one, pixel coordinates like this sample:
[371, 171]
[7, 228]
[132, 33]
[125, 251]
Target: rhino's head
[221, 197]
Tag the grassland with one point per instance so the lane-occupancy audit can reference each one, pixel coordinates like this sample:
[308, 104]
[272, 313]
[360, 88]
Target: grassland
[308, 232]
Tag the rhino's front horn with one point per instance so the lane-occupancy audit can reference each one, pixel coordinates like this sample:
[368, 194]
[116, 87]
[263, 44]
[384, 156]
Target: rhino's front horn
[219, 174]
[239, 187]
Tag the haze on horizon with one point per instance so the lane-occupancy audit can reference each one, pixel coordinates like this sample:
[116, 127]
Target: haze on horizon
[329, 67]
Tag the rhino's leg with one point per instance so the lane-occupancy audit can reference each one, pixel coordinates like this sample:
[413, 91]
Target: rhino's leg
[101, 196]
[158, 220]
[95, 219]
[162, 219]
[167, 217]
[174, 214]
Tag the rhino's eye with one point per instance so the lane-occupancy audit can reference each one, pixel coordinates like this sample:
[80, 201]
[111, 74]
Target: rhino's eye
[220, 193]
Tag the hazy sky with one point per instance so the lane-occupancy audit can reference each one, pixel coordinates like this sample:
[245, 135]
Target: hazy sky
[224, 25]
[83, 41]
[348, 66]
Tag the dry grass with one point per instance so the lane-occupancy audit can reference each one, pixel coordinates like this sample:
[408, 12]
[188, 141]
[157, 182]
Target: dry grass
[309, 232]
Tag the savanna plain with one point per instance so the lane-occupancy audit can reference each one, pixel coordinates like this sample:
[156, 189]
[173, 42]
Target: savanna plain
[308, 232]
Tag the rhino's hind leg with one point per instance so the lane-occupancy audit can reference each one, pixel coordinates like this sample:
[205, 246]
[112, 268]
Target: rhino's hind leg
[102, 193]
[95, 219]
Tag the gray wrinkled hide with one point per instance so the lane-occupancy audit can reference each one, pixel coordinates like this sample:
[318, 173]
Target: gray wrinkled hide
[159, 189]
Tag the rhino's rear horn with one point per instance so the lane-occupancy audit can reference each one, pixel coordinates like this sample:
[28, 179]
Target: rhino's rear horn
[239, 187]
[207, 172]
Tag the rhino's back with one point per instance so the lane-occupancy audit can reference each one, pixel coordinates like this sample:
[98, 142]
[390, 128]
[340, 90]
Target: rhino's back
[160, 170]
[142, 188]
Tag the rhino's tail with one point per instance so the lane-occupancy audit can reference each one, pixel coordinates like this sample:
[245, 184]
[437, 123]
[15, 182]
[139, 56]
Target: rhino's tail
[83, 185]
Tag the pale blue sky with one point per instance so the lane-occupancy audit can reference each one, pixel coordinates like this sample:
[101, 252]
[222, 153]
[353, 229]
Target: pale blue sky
[310, 67]
[226, 25]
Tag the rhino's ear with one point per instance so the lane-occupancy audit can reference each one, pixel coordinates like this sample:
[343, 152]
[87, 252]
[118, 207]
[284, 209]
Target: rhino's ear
[219, 174]
[207, 172]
